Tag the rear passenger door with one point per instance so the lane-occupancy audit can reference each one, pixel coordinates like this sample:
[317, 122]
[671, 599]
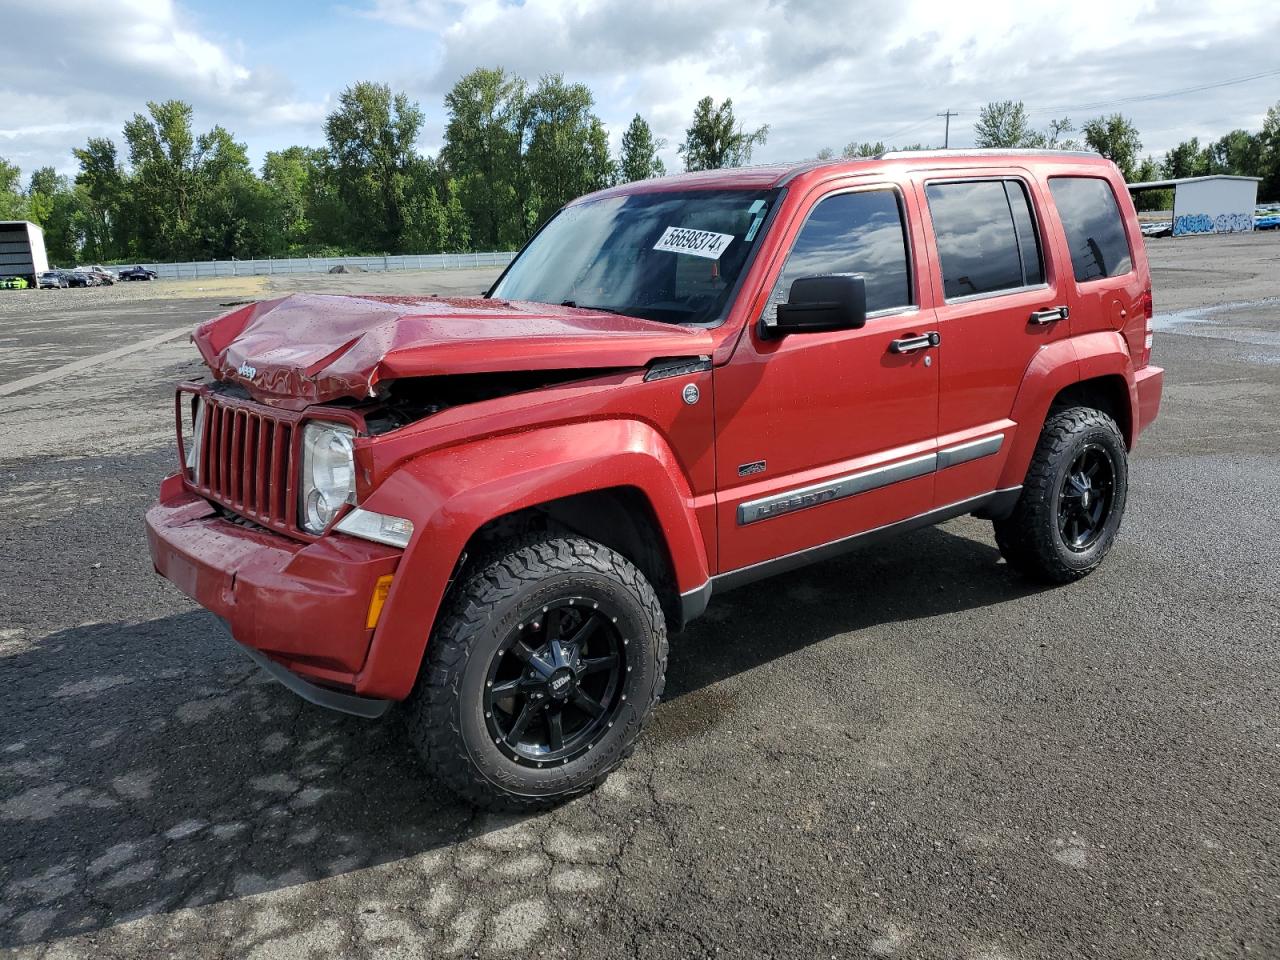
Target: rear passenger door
[998, 301]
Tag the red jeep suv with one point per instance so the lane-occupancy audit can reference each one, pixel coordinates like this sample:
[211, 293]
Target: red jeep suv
[496, 509]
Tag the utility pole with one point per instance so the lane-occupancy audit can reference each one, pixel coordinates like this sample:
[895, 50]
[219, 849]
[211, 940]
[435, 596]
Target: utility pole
[946, 136]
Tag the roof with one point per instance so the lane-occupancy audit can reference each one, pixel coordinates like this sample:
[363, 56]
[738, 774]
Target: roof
[768, 176]
[1166, 184]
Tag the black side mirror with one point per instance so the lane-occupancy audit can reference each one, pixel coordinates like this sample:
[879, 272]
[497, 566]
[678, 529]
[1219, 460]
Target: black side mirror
[833, 301]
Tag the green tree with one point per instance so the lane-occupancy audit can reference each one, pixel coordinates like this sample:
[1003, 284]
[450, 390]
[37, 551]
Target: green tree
[1054, 138]
[13, 206]
[1269, 139]
[54, 203]
[1003, 124]
[639, 160]
[858, 150]
[1187, 159]
[568, 152]
[164, 185]
[371, 138]
[1239, 153]
[293, 179]
[717, 139]
[230, 218]
[482, 153]
[1148, 170]
[104, 214]
[1116, 138]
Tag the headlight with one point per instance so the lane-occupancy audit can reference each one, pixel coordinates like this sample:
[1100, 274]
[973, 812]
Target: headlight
[192, 430]
[328, 474]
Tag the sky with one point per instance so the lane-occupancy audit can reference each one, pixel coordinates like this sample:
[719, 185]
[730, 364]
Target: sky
[820, 73]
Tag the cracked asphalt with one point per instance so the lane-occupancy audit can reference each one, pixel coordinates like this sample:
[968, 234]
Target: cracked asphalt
[907, 752]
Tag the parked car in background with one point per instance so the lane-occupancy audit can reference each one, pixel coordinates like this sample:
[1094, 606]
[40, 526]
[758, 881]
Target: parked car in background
[14, 283]
[50, 279]
[100, 274]
[77, 279]
[138, 273]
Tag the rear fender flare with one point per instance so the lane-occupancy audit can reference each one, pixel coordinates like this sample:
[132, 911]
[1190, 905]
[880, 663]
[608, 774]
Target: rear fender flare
[450, 494]
[1055, 367]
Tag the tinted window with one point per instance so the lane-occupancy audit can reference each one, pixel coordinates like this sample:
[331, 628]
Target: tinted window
[859, 233]
[980, 248]
[1028, 239]
[1095, 232]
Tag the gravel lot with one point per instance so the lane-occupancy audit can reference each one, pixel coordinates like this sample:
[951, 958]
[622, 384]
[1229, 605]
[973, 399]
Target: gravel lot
[907, 752]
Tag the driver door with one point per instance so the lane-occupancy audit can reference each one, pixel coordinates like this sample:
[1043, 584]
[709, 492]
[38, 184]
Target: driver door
[822, 436]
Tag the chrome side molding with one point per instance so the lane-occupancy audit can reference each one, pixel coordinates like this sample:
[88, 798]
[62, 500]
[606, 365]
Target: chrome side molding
[852, 484]
[837, 489]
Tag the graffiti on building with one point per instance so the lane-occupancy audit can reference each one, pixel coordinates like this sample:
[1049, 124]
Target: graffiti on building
[1203, 223]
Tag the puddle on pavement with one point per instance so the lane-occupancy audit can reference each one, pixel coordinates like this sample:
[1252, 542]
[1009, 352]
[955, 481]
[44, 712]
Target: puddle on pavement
[1252, 322]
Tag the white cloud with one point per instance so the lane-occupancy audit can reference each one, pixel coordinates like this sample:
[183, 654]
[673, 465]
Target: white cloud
[823, 73]
[819, 72]
[98, 63]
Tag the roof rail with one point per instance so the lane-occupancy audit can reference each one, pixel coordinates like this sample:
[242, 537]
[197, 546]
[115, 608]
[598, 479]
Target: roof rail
[984, 152]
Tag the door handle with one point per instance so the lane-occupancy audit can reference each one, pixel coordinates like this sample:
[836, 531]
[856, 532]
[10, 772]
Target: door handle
[910, 344]
[1049, 315]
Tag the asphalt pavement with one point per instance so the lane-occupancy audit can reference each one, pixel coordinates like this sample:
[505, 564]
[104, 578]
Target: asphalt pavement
[907, 752]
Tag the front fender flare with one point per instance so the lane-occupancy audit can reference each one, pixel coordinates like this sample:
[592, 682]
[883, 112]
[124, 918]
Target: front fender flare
[449, 494]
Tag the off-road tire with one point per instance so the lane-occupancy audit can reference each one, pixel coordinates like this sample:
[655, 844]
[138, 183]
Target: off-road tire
[1029, 538]
[444, 713]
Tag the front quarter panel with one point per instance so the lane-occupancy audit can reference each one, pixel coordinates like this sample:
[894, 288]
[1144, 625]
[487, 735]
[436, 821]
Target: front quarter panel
[449, 494]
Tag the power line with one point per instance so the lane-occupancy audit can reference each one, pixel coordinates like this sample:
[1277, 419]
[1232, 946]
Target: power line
[906, 128]
[1140, 98]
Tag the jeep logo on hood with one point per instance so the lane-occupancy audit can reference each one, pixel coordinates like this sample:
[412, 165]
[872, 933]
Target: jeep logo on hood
[247, 370]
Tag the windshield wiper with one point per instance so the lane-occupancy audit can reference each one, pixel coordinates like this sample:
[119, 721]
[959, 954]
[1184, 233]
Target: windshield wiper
[585, 306]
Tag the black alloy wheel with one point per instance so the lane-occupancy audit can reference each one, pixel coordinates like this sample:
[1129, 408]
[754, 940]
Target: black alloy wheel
[556, 683]
[1086, 498]
[1073, 498]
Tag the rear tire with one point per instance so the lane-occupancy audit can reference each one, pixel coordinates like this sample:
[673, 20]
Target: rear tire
[1072, 500]
[540, 675]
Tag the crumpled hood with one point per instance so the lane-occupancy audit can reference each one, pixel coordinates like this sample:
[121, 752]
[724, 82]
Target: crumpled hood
[312, 348]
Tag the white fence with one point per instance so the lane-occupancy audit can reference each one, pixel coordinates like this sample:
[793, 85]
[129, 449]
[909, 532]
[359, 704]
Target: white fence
[249, 268]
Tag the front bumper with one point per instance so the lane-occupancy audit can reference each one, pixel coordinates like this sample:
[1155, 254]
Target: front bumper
[301, 607]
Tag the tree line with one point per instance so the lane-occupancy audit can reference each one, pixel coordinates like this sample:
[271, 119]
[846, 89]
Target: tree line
[1005, 123]
[513, 153]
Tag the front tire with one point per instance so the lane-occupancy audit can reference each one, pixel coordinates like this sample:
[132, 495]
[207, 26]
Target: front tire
[540, 676]
[1072, 500]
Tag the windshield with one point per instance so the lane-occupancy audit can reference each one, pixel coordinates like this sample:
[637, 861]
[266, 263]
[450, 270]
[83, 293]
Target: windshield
[672, 257]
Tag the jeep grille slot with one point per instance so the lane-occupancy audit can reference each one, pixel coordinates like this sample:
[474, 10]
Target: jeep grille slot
[246, 464]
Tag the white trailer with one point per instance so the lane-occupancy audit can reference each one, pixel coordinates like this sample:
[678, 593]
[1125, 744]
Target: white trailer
[21, 250]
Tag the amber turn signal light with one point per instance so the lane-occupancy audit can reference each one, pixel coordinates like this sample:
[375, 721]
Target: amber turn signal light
[376, 602]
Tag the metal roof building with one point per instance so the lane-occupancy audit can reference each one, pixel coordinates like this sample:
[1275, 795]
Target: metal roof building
[1219, 203]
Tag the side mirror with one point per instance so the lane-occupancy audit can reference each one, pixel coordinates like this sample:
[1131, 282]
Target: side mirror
[834, 301]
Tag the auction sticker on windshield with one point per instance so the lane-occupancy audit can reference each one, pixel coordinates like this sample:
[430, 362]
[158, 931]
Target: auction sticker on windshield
[696, 243]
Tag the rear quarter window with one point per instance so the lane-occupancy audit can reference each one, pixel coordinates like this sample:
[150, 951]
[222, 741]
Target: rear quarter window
[1095, 231]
